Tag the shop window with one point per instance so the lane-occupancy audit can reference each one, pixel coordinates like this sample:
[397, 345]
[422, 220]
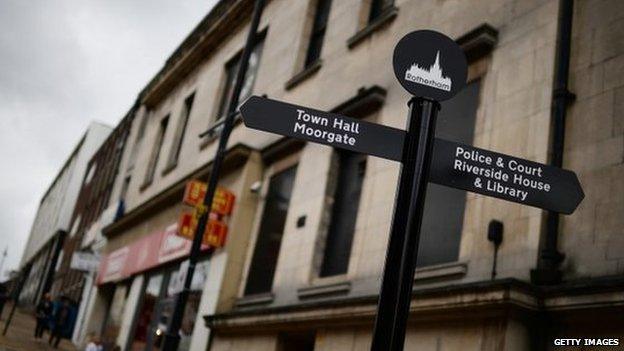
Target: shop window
[153, 160]
[444, 207]
[317, 35]
[142, 336]
[300, 341]
[190, 311]
[350, 177]
[154, 315]
[174, 154]
[269, 240]
[112, 325]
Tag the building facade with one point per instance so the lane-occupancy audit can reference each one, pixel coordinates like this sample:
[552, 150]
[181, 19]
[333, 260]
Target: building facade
[96, 206]
[302, 265]
[51, 225]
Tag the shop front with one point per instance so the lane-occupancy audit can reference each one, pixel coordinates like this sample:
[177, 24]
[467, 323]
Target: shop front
[140, 281]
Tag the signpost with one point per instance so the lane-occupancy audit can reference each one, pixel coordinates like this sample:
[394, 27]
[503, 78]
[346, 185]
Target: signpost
[433, 68]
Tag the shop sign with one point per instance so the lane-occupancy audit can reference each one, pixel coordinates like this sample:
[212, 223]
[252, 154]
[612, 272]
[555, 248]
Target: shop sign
[214, 235]
[145, 253]
[195, 192]
[177, 284]
[84, 261]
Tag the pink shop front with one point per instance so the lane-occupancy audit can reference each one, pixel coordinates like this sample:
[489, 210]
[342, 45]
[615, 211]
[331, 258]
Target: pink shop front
[139, 282]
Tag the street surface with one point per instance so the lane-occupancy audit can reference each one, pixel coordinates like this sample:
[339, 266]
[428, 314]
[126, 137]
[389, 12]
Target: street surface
[20, 334]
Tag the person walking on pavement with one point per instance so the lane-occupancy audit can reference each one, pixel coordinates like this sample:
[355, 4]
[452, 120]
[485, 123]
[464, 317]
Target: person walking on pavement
[42, 313]
[60, 321]
[3, 299]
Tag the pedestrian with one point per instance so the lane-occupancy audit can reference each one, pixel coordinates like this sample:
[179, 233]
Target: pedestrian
[95, 344]
[60, 321]
[3, 299]
[42, 313]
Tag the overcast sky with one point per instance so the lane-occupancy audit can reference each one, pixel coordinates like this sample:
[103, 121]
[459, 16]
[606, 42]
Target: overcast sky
[64, 63]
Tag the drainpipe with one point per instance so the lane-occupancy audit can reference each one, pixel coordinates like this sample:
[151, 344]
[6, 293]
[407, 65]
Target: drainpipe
[547, 271]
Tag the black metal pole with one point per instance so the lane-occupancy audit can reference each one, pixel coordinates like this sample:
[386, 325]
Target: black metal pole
[402, 253]
[172, 336]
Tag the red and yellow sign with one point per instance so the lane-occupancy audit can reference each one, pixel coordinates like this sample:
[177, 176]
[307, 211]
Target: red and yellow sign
[222, 203]
[186, 225]
[214, 234]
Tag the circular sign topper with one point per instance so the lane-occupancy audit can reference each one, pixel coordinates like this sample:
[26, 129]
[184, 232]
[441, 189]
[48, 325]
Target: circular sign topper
[430, 64]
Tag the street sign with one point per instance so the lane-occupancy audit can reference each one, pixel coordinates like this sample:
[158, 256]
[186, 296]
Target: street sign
[505, 177]
[429, 64]
[323, 127]
[455, 165]
[84, 261]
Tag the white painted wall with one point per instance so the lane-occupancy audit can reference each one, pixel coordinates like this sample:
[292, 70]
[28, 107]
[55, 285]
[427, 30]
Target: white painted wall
[56, 208]
[128, 314]
[208, 302]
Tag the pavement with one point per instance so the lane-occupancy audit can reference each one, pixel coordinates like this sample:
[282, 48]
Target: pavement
[19, 336]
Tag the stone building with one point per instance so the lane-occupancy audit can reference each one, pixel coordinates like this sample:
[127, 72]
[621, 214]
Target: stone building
[307, 239]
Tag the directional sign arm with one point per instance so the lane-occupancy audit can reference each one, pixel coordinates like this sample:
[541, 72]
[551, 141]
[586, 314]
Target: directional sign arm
[505, 177]
[323, 127]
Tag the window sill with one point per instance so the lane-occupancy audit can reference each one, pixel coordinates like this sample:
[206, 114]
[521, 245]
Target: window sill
[441, 271]
[303, 75]
[213, 133]
[385, 18]
[256, 299]
[325, 287]
[145, 185]
[169, 168]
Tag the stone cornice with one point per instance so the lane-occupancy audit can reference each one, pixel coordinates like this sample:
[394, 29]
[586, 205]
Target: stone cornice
[198, 46]
[462, 301]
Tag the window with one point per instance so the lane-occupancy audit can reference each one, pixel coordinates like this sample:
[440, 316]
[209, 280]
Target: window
[75, 226]
[264, 259]
[300, 341]
[153, 161]
[351, 171]
[180, 131]
[444, 207]
[124, 188]
[139, 138]
[142, 334]
[231, 70]
[318, 32]
[114, 313]
[90, 173]
[377, 8]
